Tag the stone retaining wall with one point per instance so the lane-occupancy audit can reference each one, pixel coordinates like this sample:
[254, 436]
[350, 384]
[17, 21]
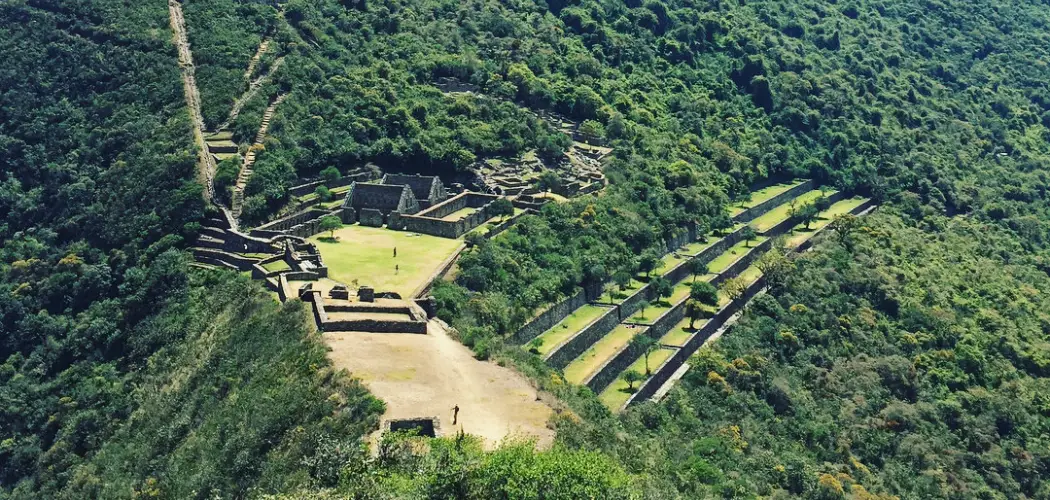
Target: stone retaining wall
[548, 318]
[375, 326]
[757, 210]
[663, 374]
[572, 348]
[787, 224]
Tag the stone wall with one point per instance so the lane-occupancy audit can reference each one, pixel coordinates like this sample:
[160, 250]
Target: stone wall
[572, 348]
[241, 262]
[444, 268]
[757, 210]
[376, 326]
[505, 225]
[290, 221]
[548, 318]
[663, 374]
[371, 217]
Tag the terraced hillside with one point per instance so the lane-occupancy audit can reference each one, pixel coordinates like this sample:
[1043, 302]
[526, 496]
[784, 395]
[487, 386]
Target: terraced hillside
[632, 327]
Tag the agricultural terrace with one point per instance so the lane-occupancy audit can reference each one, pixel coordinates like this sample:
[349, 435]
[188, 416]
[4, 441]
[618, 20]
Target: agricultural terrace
[783, 211]
[619, 392]
[566, 328]
[762, 195]
[799, 234]
[725, 259]
[366, 254]
[592, 359]
[680, 333]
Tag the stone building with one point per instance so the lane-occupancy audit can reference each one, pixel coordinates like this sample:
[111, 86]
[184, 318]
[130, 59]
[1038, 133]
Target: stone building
[428, 190]
[372, 204]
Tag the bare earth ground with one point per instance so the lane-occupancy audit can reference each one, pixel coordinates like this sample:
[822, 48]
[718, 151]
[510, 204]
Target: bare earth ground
[427, 375]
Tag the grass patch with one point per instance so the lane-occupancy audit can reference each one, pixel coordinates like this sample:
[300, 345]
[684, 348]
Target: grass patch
[667, 263]
[566, 328]
[762, 195]
[680, 333]
[617, 393]
[781, 212]
[276, 266]
[459, 214]
[617, 296]
[650, 314]
[365, 254]
[593, 358]
[720, 263]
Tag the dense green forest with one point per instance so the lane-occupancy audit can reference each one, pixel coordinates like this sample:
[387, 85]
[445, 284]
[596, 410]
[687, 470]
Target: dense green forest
[907, 358]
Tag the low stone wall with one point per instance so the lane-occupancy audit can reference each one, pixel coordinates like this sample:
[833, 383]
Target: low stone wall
[288, 222]
[444, 268]
[375, 326]
[572, 348]
[548, 318]
[301, 276]
[663, 374]
[757, 210]
[356, 307]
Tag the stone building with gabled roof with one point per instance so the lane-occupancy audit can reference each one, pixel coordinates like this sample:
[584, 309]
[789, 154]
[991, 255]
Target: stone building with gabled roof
[372, 204]
[428, 190]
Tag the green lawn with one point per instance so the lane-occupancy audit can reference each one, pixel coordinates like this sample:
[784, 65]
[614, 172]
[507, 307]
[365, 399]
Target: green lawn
[720, 263]
[459, 214]
[781, 212]
[667, 263]
[750, 274]
[632, 287]
[691, 249]
[800, 234]
[762, 195]
[593, 358]
[276, 266]
[365, 254]
[566, 328]
[681, 332]
[650, 314]
[617, 393]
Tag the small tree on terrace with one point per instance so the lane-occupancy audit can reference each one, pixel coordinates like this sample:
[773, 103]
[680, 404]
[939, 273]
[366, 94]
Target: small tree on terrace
[697, 268]
[807, 214]
[700, 294]
[734, 288]
[748, 234]
[643, 305]
[632, 377]
[330, 223]
[622, 279]
[647, 345]
[501, 208]
[662, 288]
[648, 261]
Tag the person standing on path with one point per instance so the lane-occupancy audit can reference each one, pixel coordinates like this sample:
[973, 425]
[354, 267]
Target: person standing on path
[455, 414]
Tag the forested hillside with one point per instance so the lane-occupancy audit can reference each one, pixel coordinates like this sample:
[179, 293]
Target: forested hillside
[906, 358]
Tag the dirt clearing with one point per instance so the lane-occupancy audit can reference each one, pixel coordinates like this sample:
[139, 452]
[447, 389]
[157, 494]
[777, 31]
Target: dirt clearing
[428, 375]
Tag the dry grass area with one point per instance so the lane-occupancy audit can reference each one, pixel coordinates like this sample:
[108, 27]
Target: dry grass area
[427, 375]
[366, 254]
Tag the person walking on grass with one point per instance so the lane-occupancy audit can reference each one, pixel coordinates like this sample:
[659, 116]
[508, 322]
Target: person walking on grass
[397, 269]
[455, 414]
[395, 252]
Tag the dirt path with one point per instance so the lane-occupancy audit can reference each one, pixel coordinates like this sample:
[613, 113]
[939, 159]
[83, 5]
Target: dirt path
[205, 162]
[427, 375]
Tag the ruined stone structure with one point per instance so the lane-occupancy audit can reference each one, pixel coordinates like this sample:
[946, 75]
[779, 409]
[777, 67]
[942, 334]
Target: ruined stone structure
[428, 190]
[382, 198]
[433, 220]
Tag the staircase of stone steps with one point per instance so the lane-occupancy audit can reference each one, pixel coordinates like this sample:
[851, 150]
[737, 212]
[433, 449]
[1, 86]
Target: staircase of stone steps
[237, 201]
